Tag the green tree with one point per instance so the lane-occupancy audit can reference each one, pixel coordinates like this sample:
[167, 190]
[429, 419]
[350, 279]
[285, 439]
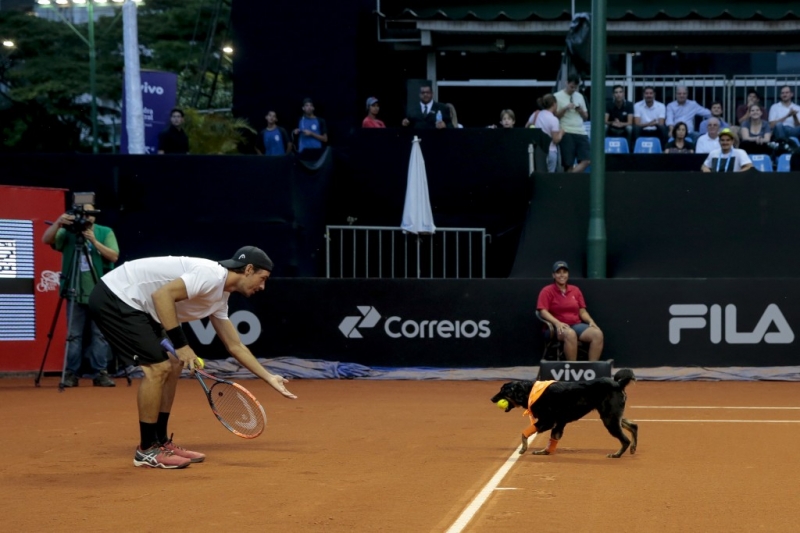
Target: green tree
[43, 79]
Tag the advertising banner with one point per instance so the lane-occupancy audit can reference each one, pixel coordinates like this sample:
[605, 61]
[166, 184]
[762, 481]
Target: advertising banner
[159, 96]
[29, 274]
[491, 323]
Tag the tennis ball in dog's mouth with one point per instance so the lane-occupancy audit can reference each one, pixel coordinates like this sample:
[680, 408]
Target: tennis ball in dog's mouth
[502, 404]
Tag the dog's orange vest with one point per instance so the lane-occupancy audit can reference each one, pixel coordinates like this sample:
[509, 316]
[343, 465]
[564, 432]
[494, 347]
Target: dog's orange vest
[538, 389]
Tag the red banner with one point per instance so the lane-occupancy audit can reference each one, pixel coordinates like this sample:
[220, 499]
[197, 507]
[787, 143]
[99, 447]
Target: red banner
[22, 344]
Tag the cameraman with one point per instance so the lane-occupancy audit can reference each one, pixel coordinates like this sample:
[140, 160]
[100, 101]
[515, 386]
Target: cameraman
[104, 252]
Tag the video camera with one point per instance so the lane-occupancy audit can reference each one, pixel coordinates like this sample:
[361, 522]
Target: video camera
[80, 223]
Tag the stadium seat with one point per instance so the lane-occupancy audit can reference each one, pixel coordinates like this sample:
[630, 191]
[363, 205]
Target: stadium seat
[762, 162]
[617, 145]
[647, 145]
[554, 348]
[783, 162]
[796, 141]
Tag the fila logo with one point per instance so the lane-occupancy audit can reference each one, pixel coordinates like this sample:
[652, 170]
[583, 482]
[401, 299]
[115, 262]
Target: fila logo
[350, 324]
[691, 316]
[242, 256]
[570, 374]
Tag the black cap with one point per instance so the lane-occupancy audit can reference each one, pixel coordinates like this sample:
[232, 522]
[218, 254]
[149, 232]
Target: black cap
[560, 264]
[307, 101]
[249, 255]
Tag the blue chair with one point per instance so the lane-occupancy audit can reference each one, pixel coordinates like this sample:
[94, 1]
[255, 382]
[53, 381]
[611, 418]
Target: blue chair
[762, 162]
[617, 145]
[783, 162]
[796, 141]
[647, 145]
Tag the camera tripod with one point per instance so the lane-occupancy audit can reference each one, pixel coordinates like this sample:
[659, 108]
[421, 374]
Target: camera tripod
[71, 277]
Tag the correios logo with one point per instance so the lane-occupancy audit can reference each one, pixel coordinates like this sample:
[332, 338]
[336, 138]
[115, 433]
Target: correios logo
[693, 316]
[397, 327]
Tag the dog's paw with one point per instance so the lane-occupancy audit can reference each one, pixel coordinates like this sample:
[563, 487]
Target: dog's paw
[524, 446]
[543, 451]
[633, 449]
[614, 455]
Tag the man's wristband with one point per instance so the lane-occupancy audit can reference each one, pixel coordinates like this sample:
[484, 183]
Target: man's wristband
[177, 338]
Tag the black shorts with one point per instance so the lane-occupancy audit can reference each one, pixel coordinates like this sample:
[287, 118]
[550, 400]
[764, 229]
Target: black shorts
[574, 148]
[134, 336]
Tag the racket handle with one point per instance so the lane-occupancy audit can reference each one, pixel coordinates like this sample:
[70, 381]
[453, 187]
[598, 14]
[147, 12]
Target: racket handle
[168, 347]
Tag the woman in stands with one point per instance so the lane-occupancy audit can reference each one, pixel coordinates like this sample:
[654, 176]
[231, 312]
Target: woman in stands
[756, 133]
[681, 143]
[545, 119]
[563, 305]
[728, 158]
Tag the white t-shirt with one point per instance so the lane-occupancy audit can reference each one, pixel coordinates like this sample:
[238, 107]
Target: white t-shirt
[719, 163]
[134, 282]
[777, 111]
[648, 114]
[706, 144]
[548, 123]
[571, 121]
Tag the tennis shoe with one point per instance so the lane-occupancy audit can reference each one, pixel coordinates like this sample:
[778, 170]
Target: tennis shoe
[159, 457]
[194, 457]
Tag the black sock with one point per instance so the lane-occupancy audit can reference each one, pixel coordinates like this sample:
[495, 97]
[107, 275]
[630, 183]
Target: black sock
[149, 435]
[161, 427]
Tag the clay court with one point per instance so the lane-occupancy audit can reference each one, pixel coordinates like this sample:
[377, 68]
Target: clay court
[405, 456]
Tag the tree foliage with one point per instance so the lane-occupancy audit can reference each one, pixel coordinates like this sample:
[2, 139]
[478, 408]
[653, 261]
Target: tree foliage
[44, 79]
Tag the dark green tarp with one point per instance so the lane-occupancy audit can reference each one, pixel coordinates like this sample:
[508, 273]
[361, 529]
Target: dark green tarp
[518, 10]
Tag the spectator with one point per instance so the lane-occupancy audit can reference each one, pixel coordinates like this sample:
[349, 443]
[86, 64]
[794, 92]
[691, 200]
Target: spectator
[507, 119]
[423, 116]
[545, 119]
[756, 133]
[273, 140]
[563, 306]
[101, 244]
[684, 110]
[783, 117]
[716, 111]
[709, 141]
[649, 116]
[681, 143]
[571, 113]
[454, 116]
[173, 140]
[372, 120]
[312, 132]
[619, 116]
[719, 160]
[743, 111]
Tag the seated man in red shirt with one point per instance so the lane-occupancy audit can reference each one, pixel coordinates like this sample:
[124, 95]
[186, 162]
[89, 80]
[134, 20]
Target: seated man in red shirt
[563, 306]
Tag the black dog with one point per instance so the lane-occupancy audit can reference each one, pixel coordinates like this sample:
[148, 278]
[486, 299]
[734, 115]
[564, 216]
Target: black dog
[564, 402]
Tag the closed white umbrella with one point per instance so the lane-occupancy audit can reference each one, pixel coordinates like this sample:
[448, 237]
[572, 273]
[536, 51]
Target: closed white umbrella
[417, 214]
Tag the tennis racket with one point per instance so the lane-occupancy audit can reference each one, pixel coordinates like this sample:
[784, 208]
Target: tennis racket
[233, 405]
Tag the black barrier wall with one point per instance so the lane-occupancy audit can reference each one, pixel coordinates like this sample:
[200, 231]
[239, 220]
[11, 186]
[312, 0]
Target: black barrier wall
[663, 225]
[491, 323]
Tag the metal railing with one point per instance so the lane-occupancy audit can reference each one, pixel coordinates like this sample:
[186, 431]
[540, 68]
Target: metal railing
[388, 252]
[703, 89]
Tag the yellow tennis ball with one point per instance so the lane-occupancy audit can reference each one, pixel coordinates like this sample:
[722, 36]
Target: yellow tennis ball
[502, 404]
[199, 363]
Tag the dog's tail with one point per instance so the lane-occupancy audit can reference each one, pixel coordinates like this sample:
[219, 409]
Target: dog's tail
[624, 376]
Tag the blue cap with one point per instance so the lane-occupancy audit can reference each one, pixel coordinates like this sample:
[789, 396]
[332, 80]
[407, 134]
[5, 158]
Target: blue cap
[560, 264]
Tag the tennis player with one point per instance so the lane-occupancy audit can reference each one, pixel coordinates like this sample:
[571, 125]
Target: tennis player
[140, 302]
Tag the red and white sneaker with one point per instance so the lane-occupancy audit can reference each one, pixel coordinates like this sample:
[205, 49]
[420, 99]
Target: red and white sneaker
[194, 457]
[159, 457]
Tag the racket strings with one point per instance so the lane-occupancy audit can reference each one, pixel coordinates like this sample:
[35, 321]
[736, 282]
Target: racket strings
[237, 409]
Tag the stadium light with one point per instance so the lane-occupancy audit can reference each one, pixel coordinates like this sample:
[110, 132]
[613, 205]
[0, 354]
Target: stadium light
[8, 44]
[227, 49]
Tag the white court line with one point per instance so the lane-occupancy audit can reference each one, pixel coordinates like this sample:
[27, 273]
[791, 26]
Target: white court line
[464, 518]
[710, 407]
[468, 513]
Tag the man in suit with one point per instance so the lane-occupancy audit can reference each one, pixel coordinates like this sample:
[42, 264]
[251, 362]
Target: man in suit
[423, 116]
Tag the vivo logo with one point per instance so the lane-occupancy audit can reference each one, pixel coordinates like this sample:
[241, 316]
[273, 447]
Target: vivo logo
[692, 316]
[205, 334]
[570, 374]
[152, 89]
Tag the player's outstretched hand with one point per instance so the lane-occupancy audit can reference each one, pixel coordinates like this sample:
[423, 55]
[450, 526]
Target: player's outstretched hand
[278, 383]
